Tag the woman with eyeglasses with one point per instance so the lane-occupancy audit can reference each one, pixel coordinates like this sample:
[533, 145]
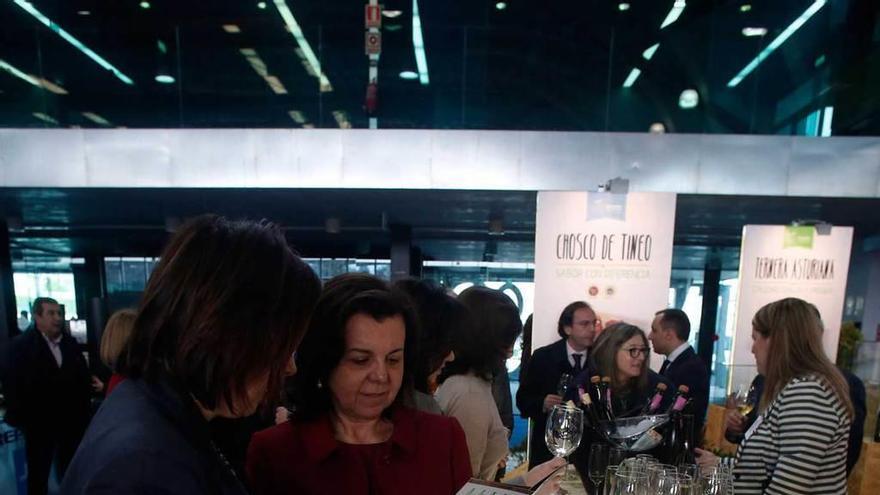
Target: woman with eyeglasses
[620, 352]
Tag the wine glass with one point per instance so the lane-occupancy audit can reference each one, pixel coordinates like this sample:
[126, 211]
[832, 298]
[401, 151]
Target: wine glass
[742, 398]
[565, 427]
[616, 455]
[566, 382]
[598, 464]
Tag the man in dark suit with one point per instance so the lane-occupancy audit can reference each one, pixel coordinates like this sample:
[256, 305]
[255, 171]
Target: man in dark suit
[48, 387]
[670, 331]
[539, 382]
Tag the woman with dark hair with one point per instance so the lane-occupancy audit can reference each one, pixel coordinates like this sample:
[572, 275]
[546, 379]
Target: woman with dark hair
[466, 391]
[798, 444]
[439, 316]
[351, 431]
[218, 322]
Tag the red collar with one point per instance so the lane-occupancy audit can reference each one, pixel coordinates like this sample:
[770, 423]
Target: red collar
[319, 441]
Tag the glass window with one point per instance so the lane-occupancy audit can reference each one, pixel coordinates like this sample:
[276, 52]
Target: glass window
[58, 286]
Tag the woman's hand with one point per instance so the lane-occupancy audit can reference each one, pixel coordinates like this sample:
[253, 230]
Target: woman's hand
[706, 459]
[281, 415]
[541, 471]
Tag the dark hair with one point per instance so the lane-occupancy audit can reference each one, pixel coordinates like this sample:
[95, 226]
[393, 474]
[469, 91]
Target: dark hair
[566, 319]
[604, 355]
[493, 325]
[323, 347]
[37, 306]
[677, 320]
[439, 316]
[228, 301]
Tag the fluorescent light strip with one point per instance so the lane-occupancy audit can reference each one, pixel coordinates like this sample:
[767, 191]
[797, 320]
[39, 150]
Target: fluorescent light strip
[631, 78]
[826, 121]
[297, 116]
[419, 44]
[647, 54]
[776, 43]
[300, 38]
[260, 68]
[674, 13]
[73, 41]
[342, 119]
[30, 79]
[45, 118]
[96, 118]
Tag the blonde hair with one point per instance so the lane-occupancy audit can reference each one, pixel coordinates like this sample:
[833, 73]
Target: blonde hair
[795, 333]
[116, 335]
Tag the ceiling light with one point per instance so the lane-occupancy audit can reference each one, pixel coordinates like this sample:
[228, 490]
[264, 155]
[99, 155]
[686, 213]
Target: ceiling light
[754, 31]
[96, 118]
[260, 68]
[689, 98]
[419, 44]
[341, 119]
[231, 28]
[501, 5]
[304, 46]
[45, 118]
[674, 13]
[261, 5]
[164, 78]
[647, 54]
[745, 7]
[297, 116]
[827, 115]
[83, 12]
[73, 41]
[409, 75]
[631, 78]
[623, 6]
[145, 5]
[34, 80]
[657, 128]
[776, 43]
[392, 14]
[308, 126]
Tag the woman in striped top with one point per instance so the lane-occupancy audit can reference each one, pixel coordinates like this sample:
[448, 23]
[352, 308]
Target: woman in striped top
[798, 444]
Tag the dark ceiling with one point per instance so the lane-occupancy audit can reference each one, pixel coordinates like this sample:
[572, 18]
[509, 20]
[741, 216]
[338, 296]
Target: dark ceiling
[556, 65]
[445, 225]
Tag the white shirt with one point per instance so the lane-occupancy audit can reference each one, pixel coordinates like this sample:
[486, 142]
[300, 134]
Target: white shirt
[54, 347]
[677, 352]
[571, 351]
[23, 323]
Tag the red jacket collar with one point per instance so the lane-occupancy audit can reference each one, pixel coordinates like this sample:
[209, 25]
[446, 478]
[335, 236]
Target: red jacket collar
[320, 442]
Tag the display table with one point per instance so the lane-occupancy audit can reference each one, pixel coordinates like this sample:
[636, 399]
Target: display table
[865, 476]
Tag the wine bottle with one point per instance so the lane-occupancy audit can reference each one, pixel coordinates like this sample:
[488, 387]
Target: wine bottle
[596, 385]
[679, 400]
[654, 402]
[589, 406]
[609, 404]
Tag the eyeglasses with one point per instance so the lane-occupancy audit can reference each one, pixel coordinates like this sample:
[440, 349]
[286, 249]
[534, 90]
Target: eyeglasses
[635, 351]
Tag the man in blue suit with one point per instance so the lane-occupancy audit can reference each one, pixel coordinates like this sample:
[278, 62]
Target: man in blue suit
[670, 331]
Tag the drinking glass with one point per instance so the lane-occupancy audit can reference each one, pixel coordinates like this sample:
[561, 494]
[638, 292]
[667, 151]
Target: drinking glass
[743, 399]
[565, 427]
[597, 465]
[611, 480]
[616, 455]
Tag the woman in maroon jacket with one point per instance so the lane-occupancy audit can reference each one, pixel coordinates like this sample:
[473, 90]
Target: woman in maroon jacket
[351, 432]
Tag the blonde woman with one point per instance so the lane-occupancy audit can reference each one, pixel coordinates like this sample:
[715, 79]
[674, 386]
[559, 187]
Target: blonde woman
[798, 444]
[116, 335]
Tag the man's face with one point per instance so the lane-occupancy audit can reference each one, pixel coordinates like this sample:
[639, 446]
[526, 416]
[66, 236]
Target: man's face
[659, 337]
[50, 321]
[582, 330]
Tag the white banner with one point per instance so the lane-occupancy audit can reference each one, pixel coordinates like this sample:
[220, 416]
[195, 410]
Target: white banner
[613, 251]
[779, 261]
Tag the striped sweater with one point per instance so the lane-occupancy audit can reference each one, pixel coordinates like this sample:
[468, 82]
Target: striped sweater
[799, 446]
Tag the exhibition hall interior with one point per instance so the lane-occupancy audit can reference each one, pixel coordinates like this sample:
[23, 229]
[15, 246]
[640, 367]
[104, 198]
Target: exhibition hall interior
[643, 162]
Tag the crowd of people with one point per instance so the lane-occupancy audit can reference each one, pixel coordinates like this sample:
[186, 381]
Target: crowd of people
[239, 373]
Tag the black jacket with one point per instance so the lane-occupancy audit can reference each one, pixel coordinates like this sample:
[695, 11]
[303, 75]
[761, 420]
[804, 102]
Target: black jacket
[146, 439]
[38, 393]
[688, 369]
[541, 378]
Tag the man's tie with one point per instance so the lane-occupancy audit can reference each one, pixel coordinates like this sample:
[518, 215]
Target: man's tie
[664, 366]
[577, 363]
